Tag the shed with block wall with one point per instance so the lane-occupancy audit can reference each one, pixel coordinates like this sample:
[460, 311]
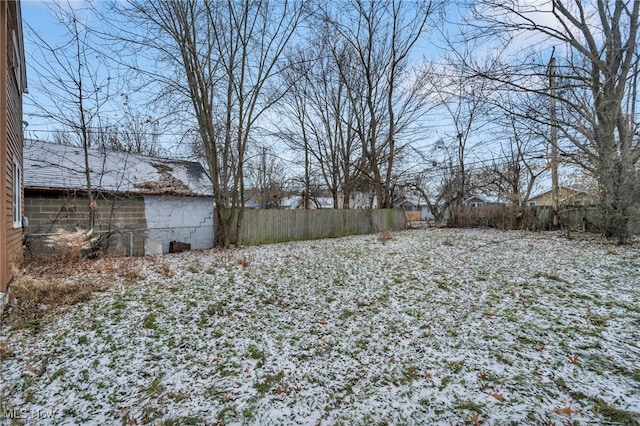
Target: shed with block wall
[142, 203]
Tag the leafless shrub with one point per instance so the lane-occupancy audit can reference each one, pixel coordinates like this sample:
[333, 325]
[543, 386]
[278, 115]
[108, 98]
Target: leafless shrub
[385, 236]
[500, 217]
[195, 267]
[5, 352]
[72, 245]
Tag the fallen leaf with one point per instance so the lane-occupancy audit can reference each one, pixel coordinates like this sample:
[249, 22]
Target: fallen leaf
[475, 419]
[497, 396]
[566, 411]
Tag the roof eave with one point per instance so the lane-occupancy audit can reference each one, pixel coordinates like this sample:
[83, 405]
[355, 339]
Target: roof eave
[52, 189]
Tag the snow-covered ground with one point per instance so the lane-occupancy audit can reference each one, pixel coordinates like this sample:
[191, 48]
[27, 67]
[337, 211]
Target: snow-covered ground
[435, 326]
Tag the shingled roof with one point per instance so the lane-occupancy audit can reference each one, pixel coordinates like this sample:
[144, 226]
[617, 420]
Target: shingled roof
[49, 166]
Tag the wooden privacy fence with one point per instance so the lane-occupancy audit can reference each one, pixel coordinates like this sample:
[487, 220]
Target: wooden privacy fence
[272, 226]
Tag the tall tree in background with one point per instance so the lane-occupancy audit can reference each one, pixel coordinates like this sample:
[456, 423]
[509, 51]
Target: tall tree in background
[267, 176]
[135, 132]
[597, 65]
[322, 119]
[223, 56]
[387, 95]
[464, 106]
[522, 144]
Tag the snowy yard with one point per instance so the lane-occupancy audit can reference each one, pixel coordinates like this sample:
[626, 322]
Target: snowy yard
[434, 326]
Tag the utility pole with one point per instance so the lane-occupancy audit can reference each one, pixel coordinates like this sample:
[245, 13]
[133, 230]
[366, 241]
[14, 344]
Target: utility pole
[307, 172]
[555, 195]
[263, 179]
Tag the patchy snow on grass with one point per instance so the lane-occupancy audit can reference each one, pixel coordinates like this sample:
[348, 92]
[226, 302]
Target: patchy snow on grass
[434, 326]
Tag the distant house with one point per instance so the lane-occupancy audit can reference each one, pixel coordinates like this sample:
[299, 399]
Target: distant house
[566, 197]
[408, 203]
[361, 200]
[321, 203]
[474, 201]
[255, 198]
[297, 202]
[13, 85]
[415, 206]
[357, 200]
[142, 203]
[291, 203]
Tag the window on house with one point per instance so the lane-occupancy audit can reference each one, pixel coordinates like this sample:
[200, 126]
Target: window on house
[17, 61]
[17, 194]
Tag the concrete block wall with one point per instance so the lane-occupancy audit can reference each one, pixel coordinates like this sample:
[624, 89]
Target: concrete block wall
[120, 220]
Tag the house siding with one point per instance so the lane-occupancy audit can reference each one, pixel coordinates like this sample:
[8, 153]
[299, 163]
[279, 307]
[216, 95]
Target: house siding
[120, 221]
[12, 140]
[566, 197]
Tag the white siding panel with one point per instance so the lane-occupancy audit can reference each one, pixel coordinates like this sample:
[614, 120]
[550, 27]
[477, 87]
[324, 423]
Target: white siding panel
[183, 219]
[426, 213]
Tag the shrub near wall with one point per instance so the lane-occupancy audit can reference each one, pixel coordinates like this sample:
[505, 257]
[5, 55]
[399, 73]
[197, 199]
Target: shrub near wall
[591, 219]
[574, 218]
[504, 217]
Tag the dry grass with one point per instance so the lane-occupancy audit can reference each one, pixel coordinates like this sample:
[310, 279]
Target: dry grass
[29, 299]
[5, 352]
[44, 288]
[447, 242]
[165, 270]
[482, 322]
[385, 236]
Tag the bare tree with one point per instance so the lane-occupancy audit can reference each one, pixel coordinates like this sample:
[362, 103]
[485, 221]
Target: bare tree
[225, 55]
[439, 180]
[596, 78]
[323, 117]
[523, 156]
[135, 132]
[382, 88]
[72, 86]
[436, 188]
[267, 178]
[464, 109]
[294, 131]
[513, 175]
